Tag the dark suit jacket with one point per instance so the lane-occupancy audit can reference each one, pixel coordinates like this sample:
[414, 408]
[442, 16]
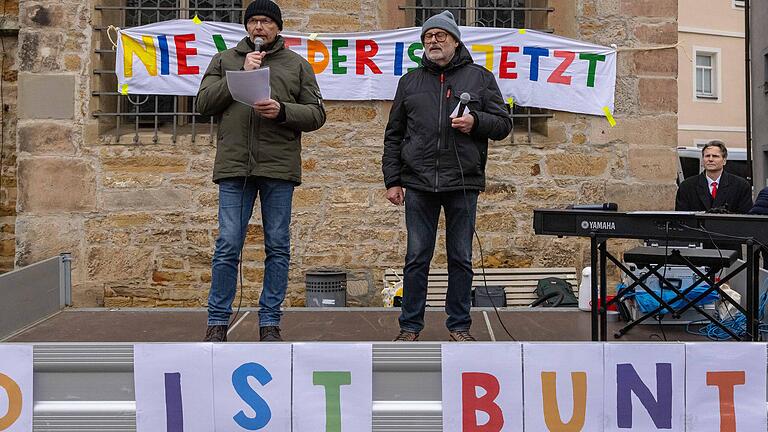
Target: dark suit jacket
[733, 192]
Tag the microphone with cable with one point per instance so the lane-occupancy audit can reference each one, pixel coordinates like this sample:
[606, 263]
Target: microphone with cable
[464, 100]
[603, 206]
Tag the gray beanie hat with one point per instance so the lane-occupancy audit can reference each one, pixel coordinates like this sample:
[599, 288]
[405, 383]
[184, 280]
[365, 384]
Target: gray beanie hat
[445, 21]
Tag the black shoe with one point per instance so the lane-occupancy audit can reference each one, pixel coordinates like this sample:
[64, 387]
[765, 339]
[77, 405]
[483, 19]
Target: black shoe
[216, 333]
[270, 334]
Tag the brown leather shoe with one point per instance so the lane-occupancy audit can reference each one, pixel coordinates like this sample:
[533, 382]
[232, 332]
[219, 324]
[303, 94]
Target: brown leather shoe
[462, 336]
[406, 336]
[216, 333]
[270, 334]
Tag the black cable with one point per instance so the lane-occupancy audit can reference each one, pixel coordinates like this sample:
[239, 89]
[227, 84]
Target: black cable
[660, 316]
[479, 244]
[243, 231]
[709, 232]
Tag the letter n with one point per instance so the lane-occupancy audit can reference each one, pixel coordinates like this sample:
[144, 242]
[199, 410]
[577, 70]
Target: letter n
[659, 408]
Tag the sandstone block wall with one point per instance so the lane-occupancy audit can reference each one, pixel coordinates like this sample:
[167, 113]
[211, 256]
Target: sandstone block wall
[140, 218]
[9, 22]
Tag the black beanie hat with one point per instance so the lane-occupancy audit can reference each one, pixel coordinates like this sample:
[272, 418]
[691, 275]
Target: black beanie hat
[268, 8]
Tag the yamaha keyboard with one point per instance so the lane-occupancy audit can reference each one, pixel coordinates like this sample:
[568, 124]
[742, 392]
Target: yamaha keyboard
[601, 226]
[650, 225]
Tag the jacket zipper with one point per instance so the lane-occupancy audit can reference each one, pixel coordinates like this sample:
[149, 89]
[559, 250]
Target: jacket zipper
[439, 132]
[258, 139]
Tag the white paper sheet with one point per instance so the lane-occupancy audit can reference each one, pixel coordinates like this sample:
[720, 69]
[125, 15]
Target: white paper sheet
[482, 387]
[575, 399]
[174, 387]
[660, 369]
[725, 386]
[318, 406]
[249, 87]
[264, 404]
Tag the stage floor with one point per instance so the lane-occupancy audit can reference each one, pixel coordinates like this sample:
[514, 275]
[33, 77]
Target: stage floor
[328, 325]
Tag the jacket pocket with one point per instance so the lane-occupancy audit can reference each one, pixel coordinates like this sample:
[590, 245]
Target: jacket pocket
[411, 153]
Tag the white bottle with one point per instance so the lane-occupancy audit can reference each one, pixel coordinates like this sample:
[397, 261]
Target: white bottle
[585, 290]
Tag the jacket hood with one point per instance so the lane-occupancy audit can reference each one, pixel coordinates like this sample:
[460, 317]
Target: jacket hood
[460, 58]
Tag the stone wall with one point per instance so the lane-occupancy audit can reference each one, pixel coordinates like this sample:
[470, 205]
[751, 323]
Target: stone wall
[9, 24]
[140, 218]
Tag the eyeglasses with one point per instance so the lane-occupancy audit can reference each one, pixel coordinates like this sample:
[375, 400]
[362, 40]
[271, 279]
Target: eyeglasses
[263, 21]
[438, 36]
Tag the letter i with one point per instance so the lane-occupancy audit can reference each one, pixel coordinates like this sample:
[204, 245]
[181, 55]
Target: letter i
[174, 413]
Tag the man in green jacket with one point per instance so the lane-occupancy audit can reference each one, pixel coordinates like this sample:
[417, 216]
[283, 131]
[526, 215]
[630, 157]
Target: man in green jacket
[258, 153]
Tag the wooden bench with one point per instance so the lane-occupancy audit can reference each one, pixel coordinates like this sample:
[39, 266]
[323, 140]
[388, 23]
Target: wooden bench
[518, 283]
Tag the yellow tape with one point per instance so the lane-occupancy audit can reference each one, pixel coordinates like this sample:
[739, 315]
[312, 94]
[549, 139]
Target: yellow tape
[609, 116]
[197, 20]
[313, 36]
[521, 31]
[511, 102]
[124, 90]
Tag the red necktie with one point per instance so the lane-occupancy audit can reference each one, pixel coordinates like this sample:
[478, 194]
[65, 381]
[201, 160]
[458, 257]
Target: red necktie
[714, 190]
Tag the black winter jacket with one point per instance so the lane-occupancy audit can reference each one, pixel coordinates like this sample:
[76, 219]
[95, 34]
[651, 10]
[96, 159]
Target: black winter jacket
[420, 146]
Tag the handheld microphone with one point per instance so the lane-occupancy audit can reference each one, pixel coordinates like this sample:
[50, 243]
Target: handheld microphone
[257, 42]
[464, 100]
[603, 206]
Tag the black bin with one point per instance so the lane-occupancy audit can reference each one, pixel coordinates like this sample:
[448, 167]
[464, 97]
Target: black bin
[326, 287]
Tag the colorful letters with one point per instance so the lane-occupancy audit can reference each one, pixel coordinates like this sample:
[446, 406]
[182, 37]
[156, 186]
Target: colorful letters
[535, 69]
[313, 48]
[256, 402]
[13, 391]
[660, 408]
[471, 404]
[366, 50]
[725, 382]
[332, 382]
[145, 52]
[551, 410]
[174, 412]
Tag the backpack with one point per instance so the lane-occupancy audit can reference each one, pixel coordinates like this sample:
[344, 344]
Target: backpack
[554, 292]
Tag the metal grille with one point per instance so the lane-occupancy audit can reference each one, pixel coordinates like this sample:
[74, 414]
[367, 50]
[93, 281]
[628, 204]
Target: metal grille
[529, 14]
[131, 115]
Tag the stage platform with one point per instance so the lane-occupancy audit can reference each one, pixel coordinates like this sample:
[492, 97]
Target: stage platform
[83, 358]
[326, 325]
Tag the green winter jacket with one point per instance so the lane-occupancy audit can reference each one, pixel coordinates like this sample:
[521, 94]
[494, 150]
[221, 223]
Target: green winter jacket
[275, 145]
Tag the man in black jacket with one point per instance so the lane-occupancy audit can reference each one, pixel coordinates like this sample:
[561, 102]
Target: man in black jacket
[439, 157]
[714, 189]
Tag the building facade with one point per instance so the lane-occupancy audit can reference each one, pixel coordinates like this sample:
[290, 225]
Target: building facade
[711, 92]
[759, 56]
[124, 183]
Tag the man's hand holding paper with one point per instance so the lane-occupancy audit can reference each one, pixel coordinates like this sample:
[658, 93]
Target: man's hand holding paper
[269, 108]
[249, 86]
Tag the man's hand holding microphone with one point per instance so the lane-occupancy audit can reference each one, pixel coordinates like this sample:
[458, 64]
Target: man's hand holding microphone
[463, 121]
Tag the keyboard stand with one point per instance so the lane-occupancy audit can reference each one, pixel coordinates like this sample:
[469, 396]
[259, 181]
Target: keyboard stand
[654, 258]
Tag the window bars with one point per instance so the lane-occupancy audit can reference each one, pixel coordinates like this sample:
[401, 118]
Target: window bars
[119, 114]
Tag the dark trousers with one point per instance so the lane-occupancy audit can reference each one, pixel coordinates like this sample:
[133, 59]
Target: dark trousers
[422, 212]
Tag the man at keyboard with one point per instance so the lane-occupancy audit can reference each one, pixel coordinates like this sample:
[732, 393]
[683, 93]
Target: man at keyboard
[714, 190]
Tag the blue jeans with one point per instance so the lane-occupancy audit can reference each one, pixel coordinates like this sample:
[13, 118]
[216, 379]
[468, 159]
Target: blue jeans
[236, 203]
[422, 212]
